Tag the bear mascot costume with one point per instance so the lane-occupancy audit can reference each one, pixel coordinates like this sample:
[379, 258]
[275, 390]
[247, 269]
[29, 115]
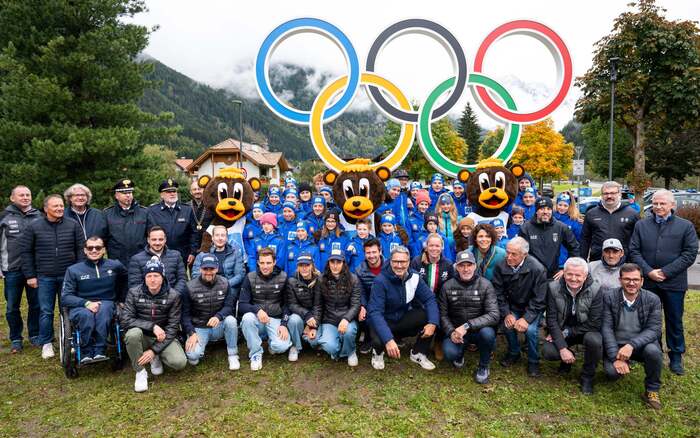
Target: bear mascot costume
[227, 198]
[491, 188]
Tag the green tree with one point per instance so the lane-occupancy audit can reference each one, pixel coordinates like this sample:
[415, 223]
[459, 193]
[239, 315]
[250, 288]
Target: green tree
[69, 84]
[658, 88]
[572, 134]
[596, 138]
[675, 156]
[491, 142]
[470, 131]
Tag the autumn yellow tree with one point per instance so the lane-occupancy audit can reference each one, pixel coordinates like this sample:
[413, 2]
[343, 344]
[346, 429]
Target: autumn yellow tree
[544, 152]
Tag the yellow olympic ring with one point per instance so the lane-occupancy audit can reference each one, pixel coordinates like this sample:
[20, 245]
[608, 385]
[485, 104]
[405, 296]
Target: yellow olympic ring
[401, 150]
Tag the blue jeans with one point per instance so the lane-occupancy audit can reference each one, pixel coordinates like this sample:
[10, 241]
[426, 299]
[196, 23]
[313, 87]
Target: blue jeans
[93, 327]
[672, 302]
[485, 339]
[49, 288]
[254, 331]
[531, 335]
[335, 344]
[296, 325]
[15, 283]
[227, 329]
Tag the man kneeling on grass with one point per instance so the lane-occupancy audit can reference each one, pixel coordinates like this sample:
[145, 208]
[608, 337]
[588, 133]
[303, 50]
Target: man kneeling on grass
[468, 312]
[401, 305]
[632, 331]
[151, 317]
[207, 309]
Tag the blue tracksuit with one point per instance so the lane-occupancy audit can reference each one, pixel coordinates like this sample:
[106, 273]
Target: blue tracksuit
[574, 226]
[287, 229]
[435, 195]
[273, 241]
[251, 230]
[329, 243]
[388, 242]
[269, 208]
[356, 252]
[462, 204]
[296, 247]
[513, 230]
[315, 221]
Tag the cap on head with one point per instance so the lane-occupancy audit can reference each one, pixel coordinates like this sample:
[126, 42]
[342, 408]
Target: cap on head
[209, 261]
[543, 202]
[337, 254]
[124, 186]
[465, 256]
[269, 218]
[612, 243]
[168, 185]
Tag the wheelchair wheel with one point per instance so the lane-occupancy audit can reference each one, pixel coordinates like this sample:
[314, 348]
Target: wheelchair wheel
[119, 352]
[65, 346]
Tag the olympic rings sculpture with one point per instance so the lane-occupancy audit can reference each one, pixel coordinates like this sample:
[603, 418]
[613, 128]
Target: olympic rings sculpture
[483, 88]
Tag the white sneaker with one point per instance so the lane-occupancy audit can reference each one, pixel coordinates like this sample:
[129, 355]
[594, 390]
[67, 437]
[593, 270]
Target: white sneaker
[233, 363]
[156, 366]
[377, 360]
[352, 359]
[47, 351]
[422, 360]
[293, 355]
[141, 382]
[256, 362]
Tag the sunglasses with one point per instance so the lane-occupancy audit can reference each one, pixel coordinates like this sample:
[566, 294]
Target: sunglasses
[94, 248]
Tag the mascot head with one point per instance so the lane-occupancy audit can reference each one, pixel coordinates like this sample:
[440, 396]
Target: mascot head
[492, 186]
[228, 196]
[358, 189]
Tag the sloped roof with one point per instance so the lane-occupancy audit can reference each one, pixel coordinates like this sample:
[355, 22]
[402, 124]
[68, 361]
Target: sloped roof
[183, 163]
[259, 158]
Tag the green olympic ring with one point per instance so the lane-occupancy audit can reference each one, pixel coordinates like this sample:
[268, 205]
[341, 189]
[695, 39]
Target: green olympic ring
[440, 161]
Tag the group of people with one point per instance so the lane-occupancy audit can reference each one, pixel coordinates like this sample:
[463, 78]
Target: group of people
[296, 279]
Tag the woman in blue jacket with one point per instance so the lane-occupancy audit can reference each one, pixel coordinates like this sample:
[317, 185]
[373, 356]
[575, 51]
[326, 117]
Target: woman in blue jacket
[330, 237]
[486, 250]
[567, 212]
[302, 243]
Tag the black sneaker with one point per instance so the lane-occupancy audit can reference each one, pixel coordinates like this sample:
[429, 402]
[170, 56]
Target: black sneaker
[587, 385]
[481, 376]
[366, 347]
[564, 368]
[509, 360]
[533, 369]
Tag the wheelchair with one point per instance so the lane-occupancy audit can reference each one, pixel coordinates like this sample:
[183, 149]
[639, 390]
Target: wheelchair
[69, 346]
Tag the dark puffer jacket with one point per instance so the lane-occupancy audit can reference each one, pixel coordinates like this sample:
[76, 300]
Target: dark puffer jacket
[13, 223]
[204, 301]
[649, 313]
[472, 302]
[266, 292]
[588, 307]
[92, 223]
[304, 297]
[340, 298]
[126, 231]
[49, 248]
[172, 262]
[144, 310]
[523, 291]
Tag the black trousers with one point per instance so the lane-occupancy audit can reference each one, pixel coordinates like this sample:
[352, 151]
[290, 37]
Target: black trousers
[592, 351]
[410, 325]
[653, 359]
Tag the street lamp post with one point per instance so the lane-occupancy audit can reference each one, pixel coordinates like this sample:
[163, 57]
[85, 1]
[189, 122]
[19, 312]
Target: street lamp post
[240, 132]
[613, 79]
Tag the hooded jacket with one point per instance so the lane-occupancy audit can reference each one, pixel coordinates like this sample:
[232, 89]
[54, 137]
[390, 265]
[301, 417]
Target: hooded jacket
[144, 310]
[546, 239]
[172, 261]
[392, 297]
[304, 297]
[232, 268]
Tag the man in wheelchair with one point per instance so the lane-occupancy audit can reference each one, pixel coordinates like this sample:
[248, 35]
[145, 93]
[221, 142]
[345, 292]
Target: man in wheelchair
[90, 289]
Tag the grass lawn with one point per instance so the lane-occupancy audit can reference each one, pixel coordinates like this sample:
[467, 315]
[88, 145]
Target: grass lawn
[319, 397]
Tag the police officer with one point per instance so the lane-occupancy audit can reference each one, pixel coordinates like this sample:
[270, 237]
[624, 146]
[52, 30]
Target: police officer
[126, 223]
[176, 219]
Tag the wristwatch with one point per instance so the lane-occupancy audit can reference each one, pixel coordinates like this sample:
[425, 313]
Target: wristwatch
[466, 326]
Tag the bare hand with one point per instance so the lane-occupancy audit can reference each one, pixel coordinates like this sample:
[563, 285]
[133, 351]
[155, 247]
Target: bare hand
[457, 335]
[191, 342]
[509, 321]
[262, 316]
[32, 282]
[343, 326]
[621, 367]
[548, 338]
[567, 356]
[521, 325]
[311, 334]
[409, 203]
[657, 275]
[213, 322]
[363, 313]
[190, 259]
[392, 349]
[312, 322]
[625, 352]
[558, 275]
[94, 306]
[146, 357]
[159, 332]
[283, 333]
[428, 330]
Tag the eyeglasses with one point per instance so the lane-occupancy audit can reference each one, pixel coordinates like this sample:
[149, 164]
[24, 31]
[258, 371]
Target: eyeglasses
[610, 193]
[399, 262]
[630, 280]
[94, 248]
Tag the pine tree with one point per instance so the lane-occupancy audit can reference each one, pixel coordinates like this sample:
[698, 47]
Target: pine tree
[69, 84]
[470, 131]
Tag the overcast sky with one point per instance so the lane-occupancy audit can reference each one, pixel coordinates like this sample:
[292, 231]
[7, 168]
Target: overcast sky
[216, 41]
